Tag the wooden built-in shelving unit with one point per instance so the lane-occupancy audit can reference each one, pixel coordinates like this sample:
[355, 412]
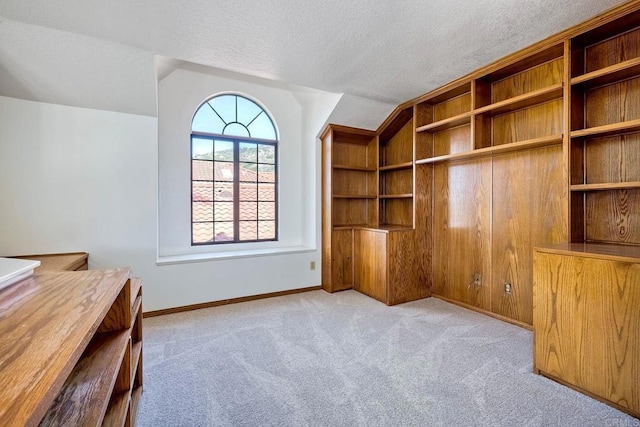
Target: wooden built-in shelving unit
[71, 343]
[539, 149]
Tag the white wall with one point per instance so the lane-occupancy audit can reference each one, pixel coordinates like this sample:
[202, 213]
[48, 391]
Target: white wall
[73, 179]
[179, 95]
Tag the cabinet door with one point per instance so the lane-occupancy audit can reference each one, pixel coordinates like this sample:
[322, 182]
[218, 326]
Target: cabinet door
[587, 325]
[529, 209]
[370, 253]
[341, 260]
[462, 231]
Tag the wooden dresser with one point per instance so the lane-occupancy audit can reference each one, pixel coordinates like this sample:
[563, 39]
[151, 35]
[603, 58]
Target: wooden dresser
[586, 319]
[71, 349]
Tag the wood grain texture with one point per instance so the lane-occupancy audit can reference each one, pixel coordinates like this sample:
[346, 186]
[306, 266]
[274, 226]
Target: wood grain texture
[85, 396]
[399, 148]
[354, 182]
[353, 211]
[424, 145]
[528, 144]
[62, 310]
[613, 216]
[341, 260]
[612, 51]
[327, 208]
[59, 262]
[611, 252]
[119, 315]
[529, 80]
[462, 231]
[370, 253]
[452, 107]
[613, 159]
[585, 316]
[529, 209]
[396, 182]
[396, 212]
[452, 141]
[405, 281]
[529, 123]
[423, 235]
[619, 102]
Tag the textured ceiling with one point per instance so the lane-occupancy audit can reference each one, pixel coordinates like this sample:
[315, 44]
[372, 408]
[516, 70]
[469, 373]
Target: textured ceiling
[385, 52]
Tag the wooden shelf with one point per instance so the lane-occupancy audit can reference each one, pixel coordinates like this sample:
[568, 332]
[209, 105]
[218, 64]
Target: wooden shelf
[135, 399]
[136, 352]
[396, 196]
[136, 285]
[498, 149]
[448, 123]
[522, 101]
[354, 196]
[117, 412]
[86, 391]
[354, 168]
[398, 166]
[612, 129]
[604, 76]
[350, 226]
[606, 186]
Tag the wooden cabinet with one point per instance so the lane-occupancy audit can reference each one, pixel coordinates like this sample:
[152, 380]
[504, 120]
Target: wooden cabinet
[349, 199]
[370, 242]
[385, 263]
[587, 321]
[71, 349]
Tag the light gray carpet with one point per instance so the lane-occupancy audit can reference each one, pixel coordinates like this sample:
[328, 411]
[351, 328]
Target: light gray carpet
[318, 359]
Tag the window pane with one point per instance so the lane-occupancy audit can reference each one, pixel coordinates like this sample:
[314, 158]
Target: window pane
[202, 211]
[223, 191]
[248, 211]
[248, 230]
[266, 230]
[224, 231]
[201, 148]
[267, 173]
[266, 210]
[203, 233]
[202, 191]
[267, 154]
[262, 128]
[223, 171]
[267, 192]
[248, 152]
[236, 129]
[225, 105]
[202, 170]
[247, 110]
[205, 120]
[248, 192]
[224, 150]
[223, 211]
[248, 172]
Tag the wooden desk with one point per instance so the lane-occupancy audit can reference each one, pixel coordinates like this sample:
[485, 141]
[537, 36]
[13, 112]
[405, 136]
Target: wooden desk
[71, 349]
[73, 261]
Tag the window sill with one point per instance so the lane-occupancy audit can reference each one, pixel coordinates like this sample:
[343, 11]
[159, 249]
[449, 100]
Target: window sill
[250, 253]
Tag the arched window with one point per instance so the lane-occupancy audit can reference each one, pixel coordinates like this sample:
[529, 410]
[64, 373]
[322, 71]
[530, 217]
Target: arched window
[234, 191]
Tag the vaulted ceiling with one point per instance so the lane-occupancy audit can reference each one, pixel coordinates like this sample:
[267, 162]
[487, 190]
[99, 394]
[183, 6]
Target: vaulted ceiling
[100, 54]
